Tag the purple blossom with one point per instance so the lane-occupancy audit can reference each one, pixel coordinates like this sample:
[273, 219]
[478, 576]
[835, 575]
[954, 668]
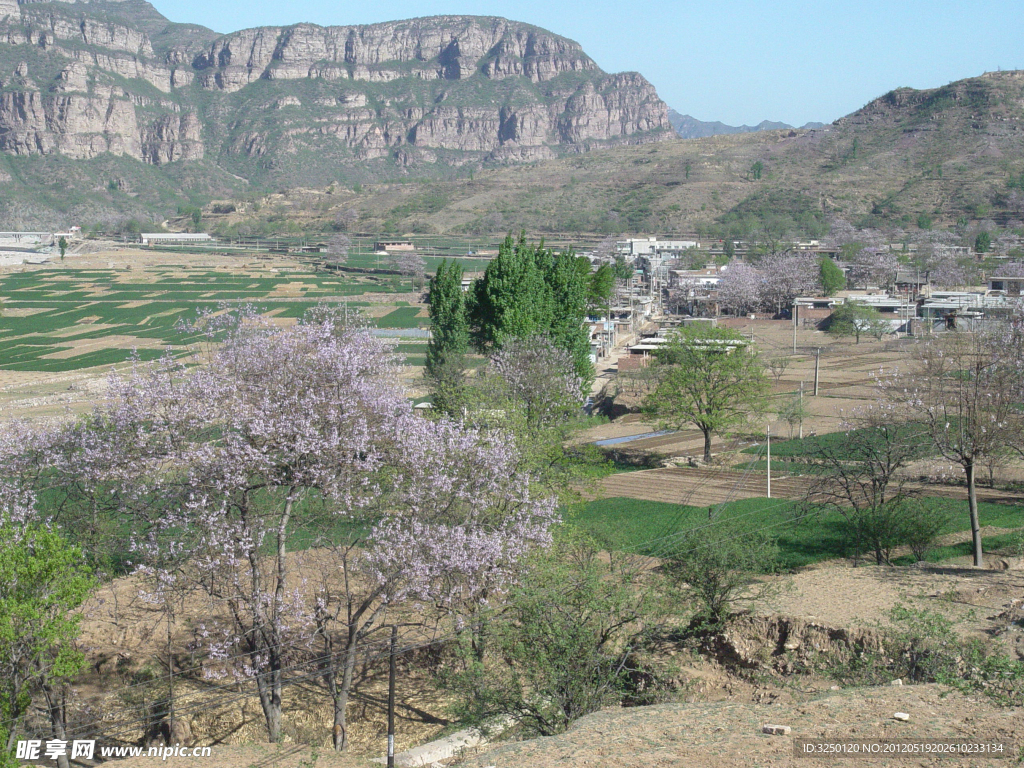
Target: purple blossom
[739, 290]
[218, 467]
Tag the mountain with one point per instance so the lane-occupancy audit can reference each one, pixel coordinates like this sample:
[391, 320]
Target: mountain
[107, 106]
[909, 156]
[691, 128]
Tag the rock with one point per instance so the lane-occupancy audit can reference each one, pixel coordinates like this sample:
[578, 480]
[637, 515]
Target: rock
[91, 108]
[776, 730]
[180, 732]
[897, 681]
[431, 753]
[901, 716]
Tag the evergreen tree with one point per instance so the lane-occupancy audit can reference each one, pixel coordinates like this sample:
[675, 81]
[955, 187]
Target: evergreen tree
[449, 323]
[512, 298]
[983, 242]
[449, 340]
[530, 291]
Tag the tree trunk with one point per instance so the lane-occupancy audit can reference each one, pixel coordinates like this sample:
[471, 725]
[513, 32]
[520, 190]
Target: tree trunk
[58, 713]
[972, 505]
[707, 445]
[340, 731]
[340, 692]
[270, 685]
[269, 691]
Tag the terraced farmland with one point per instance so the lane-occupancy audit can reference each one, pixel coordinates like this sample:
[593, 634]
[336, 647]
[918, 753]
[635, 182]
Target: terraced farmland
[58, 320]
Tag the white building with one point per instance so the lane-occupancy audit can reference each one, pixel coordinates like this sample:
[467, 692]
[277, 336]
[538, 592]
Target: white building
[174, 238]
[644, 246]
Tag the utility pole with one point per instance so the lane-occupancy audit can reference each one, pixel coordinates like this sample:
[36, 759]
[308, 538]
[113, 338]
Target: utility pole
[817, 358]
[391, 696]
[794, 326]
[801, 411]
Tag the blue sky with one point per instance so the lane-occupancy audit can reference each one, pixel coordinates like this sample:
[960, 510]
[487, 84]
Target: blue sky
[738, 61]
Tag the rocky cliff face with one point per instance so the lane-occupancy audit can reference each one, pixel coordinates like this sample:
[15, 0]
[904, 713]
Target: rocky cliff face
[80, 79]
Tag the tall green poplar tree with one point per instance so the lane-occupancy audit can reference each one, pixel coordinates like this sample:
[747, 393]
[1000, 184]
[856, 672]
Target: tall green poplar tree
[530, 291]
[568, 281]
[449, 339]
[450, 324]
[512, 298]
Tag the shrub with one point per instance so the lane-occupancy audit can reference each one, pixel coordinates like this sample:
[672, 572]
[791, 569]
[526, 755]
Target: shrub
[718, 564]
[921, 526]
[565, 646]
[923, 646]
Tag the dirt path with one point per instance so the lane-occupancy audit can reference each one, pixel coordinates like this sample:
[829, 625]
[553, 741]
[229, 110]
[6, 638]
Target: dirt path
[728, 734]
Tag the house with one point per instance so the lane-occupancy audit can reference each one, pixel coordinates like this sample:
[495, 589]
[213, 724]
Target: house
[174, 238]
[694, 280]
[645, 246]
[27, 238]
[394, 245]
[955, 308]
[813, 309]
[911, 283]
[1010, 285]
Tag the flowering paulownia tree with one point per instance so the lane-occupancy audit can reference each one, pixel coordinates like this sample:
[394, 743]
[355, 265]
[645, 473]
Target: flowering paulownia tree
[299, 438]
[873, 267]
[965, 389]
[539, 376]
[740, 288]
[787, 277]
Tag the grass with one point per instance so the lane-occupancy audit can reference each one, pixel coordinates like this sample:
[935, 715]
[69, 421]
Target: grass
[403, 317]
[649, 527]
[780, 467]
[834, 442]
[1004, 543]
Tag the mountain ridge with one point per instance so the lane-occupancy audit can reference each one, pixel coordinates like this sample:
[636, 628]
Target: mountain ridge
[688, 127]
[906, 160]
[298, 104]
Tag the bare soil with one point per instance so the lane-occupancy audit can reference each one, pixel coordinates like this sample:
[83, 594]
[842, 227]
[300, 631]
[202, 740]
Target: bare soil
[728, 733]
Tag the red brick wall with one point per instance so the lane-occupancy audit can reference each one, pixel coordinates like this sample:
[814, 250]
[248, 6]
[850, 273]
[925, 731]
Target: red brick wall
[633, 362]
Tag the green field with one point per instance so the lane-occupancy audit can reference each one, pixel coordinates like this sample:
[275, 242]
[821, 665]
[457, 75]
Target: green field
[832, 441]
[68, 319]
[650, 527]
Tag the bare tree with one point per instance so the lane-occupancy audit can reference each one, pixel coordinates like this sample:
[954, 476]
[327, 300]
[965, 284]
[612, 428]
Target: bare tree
[778, 365]
[338, 247]
[863, 478]
[345, 218]
[409, 264]
[793, 413]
